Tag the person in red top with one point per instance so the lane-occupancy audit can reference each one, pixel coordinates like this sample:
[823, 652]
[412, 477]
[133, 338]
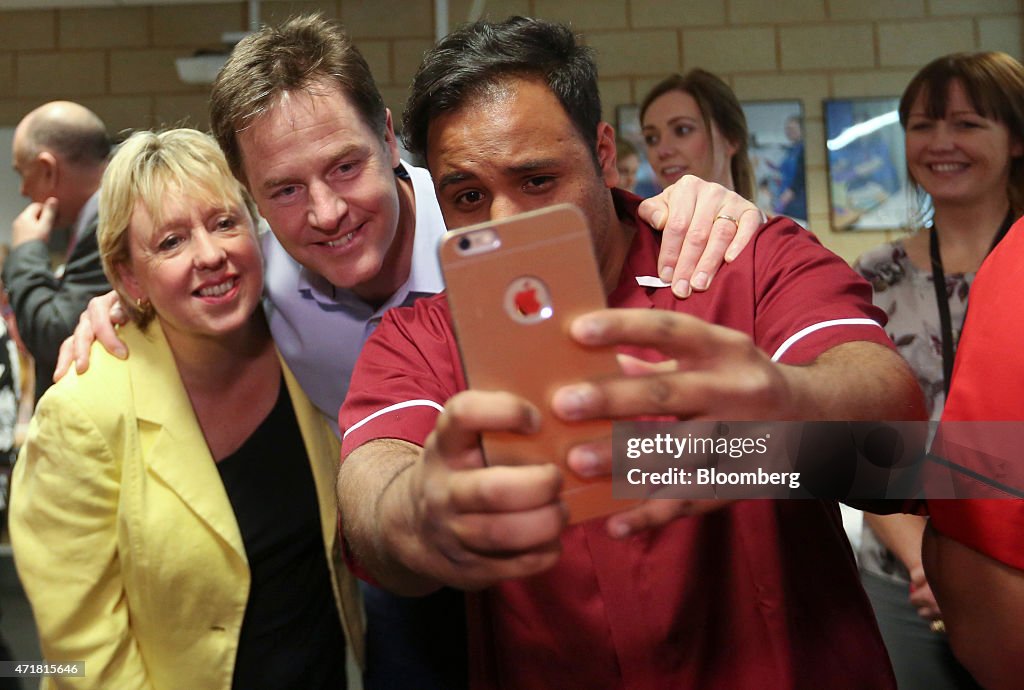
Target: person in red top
[974, 549]
[747, 594]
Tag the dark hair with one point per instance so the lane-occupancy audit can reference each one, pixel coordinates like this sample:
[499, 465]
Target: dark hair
[480, 56]
[993, 83]
[717, 105]
[302, 52]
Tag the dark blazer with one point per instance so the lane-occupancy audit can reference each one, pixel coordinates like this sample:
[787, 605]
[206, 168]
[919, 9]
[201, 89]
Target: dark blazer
[47, 307]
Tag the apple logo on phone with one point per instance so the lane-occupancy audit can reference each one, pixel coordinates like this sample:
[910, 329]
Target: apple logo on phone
[528, 300]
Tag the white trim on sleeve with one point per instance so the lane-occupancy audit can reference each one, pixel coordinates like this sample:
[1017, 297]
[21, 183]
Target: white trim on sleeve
[804, 332]
[392, 408]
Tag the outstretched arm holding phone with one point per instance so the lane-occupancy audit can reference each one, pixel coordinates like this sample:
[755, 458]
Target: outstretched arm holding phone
[418, 517]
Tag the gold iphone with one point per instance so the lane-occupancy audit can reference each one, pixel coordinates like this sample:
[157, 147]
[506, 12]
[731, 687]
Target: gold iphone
[514, 286]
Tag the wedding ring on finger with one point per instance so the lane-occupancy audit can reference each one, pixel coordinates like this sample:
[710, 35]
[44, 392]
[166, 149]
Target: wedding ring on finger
[763, 217]
[725, 216]
[938, 626]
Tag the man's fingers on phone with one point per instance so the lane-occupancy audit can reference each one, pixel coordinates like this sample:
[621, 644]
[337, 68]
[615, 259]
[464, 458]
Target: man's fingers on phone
[503, 489]
[591, 459]
[468, 413]
[493, 411]
[510, 534]
[682, 394]
[671, 332]
[633, 366]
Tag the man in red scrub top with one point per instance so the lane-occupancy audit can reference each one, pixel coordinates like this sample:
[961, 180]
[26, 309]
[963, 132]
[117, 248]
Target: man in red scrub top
[753, 594]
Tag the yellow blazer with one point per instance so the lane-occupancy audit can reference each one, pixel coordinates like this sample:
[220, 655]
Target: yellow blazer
[123, 535]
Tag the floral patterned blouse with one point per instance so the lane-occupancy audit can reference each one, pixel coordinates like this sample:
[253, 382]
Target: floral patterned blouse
[907, 295]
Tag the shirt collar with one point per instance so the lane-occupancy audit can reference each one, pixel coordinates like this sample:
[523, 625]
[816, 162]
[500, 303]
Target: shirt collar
[636, 287]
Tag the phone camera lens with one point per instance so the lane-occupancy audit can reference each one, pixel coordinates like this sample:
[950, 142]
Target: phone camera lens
[464, 243]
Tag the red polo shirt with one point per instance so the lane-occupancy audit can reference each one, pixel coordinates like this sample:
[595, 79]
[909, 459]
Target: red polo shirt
[759, 594]
[987, 386]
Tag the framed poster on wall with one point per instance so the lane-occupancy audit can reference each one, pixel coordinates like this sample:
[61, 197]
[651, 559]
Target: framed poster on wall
[867, 166]
[776, 147]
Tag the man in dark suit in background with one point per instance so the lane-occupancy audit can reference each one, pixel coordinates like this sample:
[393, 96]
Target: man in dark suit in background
[60, 151]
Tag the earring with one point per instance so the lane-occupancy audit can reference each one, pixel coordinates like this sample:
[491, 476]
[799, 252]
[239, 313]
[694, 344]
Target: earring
[143, 305]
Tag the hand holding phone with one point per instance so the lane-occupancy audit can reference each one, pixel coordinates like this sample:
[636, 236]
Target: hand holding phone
[514, 286]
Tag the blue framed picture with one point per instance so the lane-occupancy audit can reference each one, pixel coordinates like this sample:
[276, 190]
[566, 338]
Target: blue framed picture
[867, 165]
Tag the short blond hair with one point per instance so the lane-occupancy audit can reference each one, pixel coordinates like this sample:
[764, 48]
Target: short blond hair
[147, 167]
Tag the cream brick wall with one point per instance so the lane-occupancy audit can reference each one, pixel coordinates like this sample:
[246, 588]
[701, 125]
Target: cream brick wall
[189, 25]
[408, 55]
[69, 73]
[730, 50]
[119, 61]
[659, 13]
[775, 11]
[103, 28]
[378, 57]
[946, 7]
[28, 30]
[6, 73]
[827, 46]
[652, 52]
[875, 9]
[608, 14]
[275, 11]
[913, 43]
[811, 89]
[122, 113]
[999, 34]
[388, 18]
[496, 10]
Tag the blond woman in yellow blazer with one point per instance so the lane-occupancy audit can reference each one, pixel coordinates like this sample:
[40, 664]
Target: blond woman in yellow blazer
[124, 535]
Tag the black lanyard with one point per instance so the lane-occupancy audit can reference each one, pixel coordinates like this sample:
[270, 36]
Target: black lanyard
[939, 280]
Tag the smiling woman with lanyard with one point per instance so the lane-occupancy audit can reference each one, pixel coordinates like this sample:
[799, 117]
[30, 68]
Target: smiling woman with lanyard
[961, 114]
